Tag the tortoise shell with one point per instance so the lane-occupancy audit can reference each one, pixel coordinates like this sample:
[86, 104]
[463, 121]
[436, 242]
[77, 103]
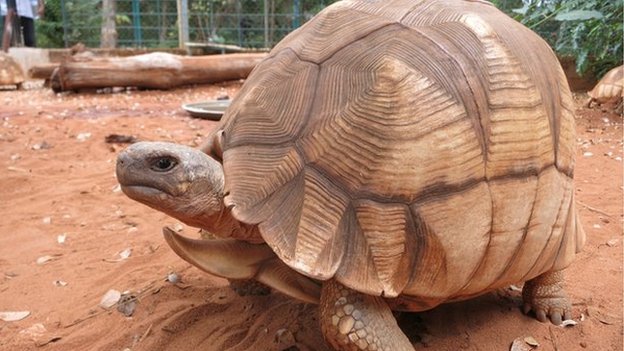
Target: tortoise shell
[609, 87]
[414, 148]
[10, 71]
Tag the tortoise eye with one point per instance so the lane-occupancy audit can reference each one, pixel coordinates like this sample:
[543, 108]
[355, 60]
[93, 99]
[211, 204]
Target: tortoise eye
[163, 164]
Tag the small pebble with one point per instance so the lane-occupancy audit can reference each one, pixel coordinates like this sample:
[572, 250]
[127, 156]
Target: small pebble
[173, 278]
[83, 136]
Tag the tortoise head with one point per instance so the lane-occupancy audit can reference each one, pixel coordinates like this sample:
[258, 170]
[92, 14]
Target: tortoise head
[180, 181]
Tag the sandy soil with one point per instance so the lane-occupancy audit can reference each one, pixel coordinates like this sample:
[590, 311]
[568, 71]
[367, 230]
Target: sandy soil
[57, 178]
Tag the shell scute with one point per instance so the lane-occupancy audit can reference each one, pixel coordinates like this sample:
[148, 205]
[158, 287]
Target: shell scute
[279, 100]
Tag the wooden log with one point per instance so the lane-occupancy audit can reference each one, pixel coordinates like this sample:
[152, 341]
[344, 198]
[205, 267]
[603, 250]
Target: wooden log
[43, 71]
[153, 71]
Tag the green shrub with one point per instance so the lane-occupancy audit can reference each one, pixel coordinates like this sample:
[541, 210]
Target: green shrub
[588, 30]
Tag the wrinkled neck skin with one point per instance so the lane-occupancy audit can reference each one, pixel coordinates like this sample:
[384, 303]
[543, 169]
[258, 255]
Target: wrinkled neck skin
[223, 225]
[207, 211]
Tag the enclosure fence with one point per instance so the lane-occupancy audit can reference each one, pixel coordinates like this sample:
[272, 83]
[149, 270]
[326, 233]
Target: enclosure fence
[171, 23]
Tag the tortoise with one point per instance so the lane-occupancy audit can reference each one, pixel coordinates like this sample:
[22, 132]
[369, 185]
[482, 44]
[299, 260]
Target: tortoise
[609, 88]
[10, 71]
[387, 155]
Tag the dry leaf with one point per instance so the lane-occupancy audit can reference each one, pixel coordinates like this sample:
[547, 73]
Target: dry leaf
[14, 316]
[48, 340]
[110, 298]
[520, 344]
[569, 323]
[612, 242]
[601, 316]
[35, 331]
[123, 255]
[47, 258]
[531, 341]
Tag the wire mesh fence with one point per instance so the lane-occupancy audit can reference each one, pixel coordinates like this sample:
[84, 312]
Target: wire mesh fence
[164, 23]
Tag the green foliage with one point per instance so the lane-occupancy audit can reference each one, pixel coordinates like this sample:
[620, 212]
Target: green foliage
[49, 29]
[588, 30]
[83, 15]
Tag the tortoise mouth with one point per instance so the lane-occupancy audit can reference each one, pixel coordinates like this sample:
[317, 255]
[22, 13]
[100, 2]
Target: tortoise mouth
[145, 193]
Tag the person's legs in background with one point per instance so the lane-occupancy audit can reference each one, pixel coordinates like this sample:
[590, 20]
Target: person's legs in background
[8, 25]
[28, 31]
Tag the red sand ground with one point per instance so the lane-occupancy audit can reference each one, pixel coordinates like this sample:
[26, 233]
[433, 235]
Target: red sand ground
[54, 183]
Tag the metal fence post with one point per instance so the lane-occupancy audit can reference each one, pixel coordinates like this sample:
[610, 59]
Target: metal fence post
[183, 23]
[266, 24]
[64, 15]
[136, 22]
[296, 15]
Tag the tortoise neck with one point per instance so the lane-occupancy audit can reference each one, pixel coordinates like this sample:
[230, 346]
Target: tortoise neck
[223, 225]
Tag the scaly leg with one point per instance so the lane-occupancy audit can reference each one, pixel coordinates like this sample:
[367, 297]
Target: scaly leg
[545, 296]
[352, 321]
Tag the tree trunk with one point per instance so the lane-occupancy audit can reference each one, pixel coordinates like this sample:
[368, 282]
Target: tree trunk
[156, 71]
[108, 38]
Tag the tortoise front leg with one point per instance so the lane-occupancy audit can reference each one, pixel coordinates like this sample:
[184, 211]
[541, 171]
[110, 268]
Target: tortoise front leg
[544, 295]
[352, 321]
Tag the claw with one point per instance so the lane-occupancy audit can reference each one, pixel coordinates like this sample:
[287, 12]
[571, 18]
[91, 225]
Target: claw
[555, 318]
[526, 308]
[541, 316]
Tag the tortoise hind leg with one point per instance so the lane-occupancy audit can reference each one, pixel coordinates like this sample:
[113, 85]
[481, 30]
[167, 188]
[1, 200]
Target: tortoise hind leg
[544, 295]
[352, 321]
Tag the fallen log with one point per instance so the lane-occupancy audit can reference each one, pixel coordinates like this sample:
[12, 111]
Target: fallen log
[43, 71]
[153, 71]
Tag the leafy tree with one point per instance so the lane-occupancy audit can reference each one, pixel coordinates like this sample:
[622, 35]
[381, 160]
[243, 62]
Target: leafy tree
[588, 30]
[83, 23]
[49, 29]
